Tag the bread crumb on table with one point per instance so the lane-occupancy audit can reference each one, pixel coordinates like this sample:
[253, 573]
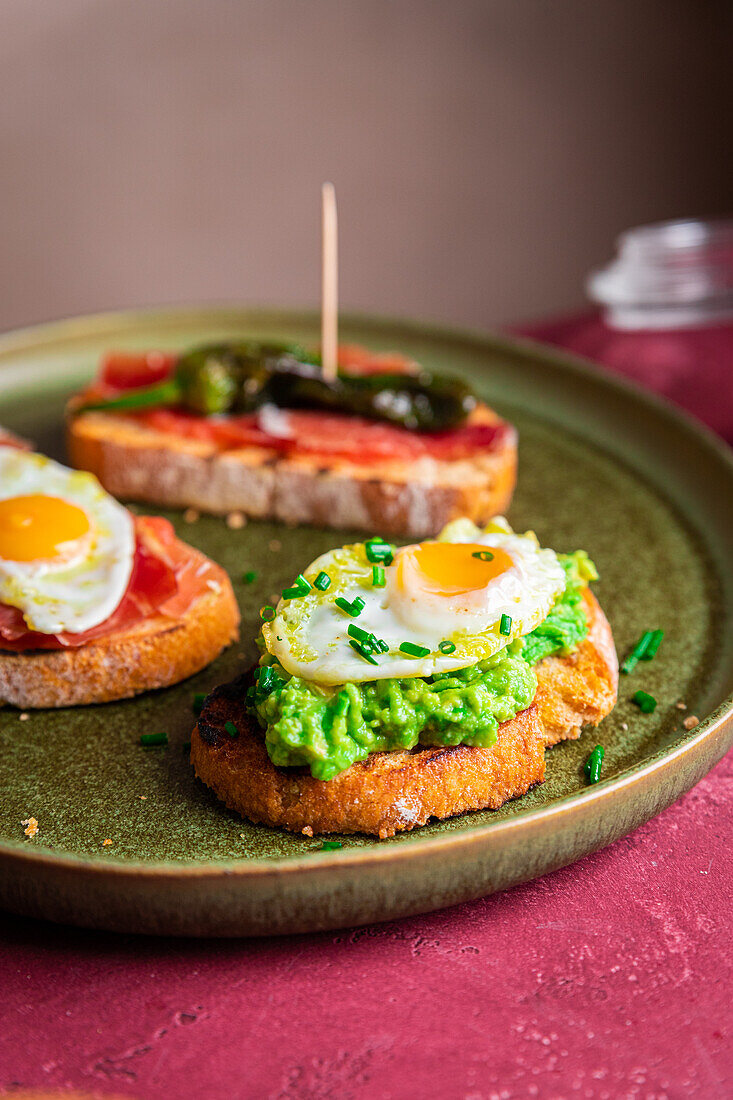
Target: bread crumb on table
[190, 515]
[691, 721]
[681, 705]
[31, 827]
[106, 843]
[23, 716]
[235, 521]
[307, 831]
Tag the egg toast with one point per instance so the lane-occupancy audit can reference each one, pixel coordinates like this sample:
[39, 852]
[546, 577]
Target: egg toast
[321, 756]
[309, 458]
[97, 604]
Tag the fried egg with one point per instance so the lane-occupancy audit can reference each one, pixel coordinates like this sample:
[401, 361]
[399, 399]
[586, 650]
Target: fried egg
[66, 547]
[444, 604]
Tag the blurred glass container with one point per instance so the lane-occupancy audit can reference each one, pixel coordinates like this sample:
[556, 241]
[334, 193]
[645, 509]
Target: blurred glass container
[667, 318]
[670, 275]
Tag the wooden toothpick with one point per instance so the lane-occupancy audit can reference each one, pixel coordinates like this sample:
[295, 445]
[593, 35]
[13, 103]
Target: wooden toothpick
[329, 284]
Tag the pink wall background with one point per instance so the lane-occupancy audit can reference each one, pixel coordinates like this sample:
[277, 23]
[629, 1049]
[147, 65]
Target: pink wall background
[486, 152]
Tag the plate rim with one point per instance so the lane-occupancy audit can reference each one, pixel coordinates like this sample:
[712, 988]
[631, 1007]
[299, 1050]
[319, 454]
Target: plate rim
[716, 729]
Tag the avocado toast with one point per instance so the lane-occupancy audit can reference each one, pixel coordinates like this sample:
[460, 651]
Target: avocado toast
[397, 685]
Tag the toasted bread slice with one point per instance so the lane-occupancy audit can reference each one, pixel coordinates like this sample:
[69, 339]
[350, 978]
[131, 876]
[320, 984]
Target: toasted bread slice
[394, 791]
[134, 462]
[579, 690]
[154, 653]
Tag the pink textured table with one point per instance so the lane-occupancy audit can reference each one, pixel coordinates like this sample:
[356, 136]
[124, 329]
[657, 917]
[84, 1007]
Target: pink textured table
[609, 979]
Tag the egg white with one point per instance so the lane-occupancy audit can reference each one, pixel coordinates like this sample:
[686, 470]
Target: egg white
[81, 590]
[309, 634]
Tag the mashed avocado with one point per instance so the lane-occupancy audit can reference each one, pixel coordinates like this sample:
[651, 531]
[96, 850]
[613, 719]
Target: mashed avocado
[328, 730]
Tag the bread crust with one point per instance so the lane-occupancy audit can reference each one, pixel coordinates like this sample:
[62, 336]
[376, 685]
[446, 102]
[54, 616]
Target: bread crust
[387, 793]
[580, 689]
[154, 653]
[134, 462]
[395, 791]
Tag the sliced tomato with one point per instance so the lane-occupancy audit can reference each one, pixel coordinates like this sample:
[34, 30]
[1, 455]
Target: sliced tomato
[165, 580]
[226, 432]
[328, 434]
[128, 370]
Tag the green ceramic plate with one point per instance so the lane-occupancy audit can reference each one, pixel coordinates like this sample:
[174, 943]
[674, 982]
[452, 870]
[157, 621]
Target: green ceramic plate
[603, 466]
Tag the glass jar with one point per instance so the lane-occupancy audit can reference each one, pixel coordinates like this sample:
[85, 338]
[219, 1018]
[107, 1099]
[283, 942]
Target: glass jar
[670, 275]
[667, 319]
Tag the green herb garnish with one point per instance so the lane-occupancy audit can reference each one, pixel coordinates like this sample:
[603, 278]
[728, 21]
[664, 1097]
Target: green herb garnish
[654, 643]
[362, 651]
[249, 577]
[377, 550]
[379, 578]
[413, 650]
[644, 650]
[267, 613]
[331, 845]
[300, 588]
[353, 608]
[644, 701]
[198, 702]
[594, 764]
[505, 626]
[322, 582]
[447, 647]
[152, 739]
[483, 555]
[231, 729]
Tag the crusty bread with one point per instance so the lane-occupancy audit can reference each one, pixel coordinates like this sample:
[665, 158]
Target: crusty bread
[579, 690]
[154, 653]
[396, 498]
[394, 791]
[384, 794]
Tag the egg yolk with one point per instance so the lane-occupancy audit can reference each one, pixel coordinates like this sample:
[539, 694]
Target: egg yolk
[37, 527]
[455, 567]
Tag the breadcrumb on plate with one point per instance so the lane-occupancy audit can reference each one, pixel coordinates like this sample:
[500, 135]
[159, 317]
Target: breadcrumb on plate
[31, 827]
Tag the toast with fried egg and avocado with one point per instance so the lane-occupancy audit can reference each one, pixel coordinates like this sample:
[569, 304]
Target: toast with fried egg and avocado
[396, 685]
[97, 604]
[254, 427]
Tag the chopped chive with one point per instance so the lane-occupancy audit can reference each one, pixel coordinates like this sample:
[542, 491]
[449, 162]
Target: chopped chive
[267, 613]
[354, 608]
[342, 704]
[322, 581]
[447, 647]
[379, 578]
[300, 588]
[654, 643]
[638, 651]
[377, 550]
[231, 729]
[505, 626]
[369, 641]
[249, 577]
[362, 651]
[267, 682]
[413, 650]
[594, 763]
[483, 555]
[198, 702]
[149, 739]
[644, 701]
[331, 845]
